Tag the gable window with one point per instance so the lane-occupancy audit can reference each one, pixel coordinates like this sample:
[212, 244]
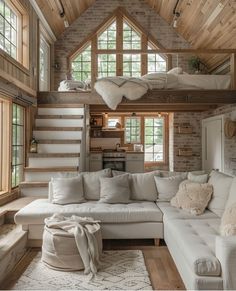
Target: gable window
[149, 131]
[18, 117]
[119, 48]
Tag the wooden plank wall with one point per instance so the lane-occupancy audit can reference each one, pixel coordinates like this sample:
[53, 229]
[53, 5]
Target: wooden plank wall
[15, 73]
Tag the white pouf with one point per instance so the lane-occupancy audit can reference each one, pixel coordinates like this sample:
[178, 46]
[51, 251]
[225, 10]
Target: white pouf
[60, 252]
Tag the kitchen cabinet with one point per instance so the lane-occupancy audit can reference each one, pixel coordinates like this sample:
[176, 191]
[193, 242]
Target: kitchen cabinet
[135, 162]
[95, 162]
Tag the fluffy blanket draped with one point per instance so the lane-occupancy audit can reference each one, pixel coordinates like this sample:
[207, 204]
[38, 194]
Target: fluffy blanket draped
[83, 229]
[113, 89]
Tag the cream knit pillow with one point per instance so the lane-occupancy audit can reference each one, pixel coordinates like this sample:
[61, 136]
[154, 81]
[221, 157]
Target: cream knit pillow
[228, 221]
[192, 197]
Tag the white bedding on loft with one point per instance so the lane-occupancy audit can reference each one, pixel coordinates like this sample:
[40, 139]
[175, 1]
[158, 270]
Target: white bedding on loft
[113, 89]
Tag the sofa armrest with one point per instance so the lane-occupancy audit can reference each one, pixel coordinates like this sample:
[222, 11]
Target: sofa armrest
[225, 248]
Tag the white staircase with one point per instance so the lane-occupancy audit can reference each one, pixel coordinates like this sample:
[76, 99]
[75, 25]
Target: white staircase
[61, 133]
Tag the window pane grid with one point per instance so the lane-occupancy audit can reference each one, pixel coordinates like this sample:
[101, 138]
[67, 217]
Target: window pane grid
[132, 65]
[81, 65]
[131, 39]
[107, 40]
[156, 63]
[8, 29]
[106, 65]
[132, 130]
[17, 144]
[153, 139]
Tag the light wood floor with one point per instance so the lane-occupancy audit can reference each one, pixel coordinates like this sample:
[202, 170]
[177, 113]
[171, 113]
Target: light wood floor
[161, 268]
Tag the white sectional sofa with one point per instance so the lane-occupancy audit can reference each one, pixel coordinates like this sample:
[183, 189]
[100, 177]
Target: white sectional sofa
[205, 260]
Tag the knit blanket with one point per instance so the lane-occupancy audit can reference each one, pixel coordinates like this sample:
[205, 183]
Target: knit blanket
[83, 229]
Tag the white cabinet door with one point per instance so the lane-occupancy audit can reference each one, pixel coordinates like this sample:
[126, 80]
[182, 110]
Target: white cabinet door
[213, 144]
[95, 162]
[135, 163]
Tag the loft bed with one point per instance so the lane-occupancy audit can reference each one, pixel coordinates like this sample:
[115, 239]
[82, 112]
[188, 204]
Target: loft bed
[173, 92]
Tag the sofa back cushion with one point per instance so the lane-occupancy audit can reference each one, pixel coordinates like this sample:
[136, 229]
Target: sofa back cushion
[115, 189]
[197, 178]
[67, 190]
[166, 174]
[142, 185]
[91, 181]
[221, 185]
[167, 187]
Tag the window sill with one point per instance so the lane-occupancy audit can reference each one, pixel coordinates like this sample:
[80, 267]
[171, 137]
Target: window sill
[14, 62]
[6, 197]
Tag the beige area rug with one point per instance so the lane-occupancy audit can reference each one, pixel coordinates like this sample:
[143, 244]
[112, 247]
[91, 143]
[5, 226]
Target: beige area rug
[121, 270]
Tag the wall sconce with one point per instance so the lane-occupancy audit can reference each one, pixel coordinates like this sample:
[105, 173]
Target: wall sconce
[57, 66]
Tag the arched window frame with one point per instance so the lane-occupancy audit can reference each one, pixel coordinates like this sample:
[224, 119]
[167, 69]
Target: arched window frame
[120, 15]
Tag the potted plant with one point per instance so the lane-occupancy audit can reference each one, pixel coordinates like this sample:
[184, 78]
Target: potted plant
[195, 64]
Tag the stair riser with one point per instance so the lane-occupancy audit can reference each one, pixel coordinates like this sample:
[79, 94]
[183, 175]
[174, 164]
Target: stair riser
[39, 176]
[60, 111]
[59, 122]
[53, 162]
[59, 148]
[66, 135]
[40, 192]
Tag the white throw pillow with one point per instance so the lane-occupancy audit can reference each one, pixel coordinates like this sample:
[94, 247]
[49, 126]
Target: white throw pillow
[167, 187]
[91, 181]
[192, 197]
[142, 185]
[198, 178]
[115, 189]
[176, 70]
[228, 221]
[67, 190]
[221, 185]
[154, 76]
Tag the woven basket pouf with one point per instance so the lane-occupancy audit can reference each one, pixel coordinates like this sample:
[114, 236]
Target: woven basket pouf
[60, 252]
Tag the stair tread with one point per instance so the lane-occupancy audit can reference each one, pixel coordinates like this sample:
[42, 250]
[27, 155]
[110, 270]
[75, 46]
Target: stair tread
[53, 169]
[58, 128]
[59, 141]
[33, 184]
[53, 155]
[64, 116]
[10, 234]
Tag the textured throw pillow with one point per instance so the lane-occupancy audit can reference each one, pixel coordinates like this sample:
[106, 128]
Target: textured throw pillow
[197, 178]
[91, 181]
[115, 189]
[142, 185]
[193, 197]
[67, 190]
[221, 185]
[167, 187]
[228, 221]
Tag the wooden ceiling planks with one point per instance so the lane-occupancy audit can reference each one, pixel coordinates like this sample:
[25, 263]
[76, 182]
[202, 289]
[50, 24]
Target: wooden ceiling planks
[207, 24]
[73, 9]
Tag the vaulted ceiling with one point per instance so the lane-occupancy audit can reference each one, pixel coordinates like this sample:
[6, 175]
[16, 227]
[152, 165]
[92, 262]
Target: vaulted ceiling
[203, 23]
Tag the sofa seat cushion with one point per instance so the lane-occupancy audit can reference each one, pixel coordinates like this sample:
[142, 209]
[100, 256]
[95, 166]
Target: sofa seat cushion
[38, 210]
[171, 212]
[196, 238]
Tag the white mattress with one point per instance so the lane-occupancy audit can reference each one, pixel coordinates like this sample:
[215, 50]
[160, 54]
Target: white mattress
[208, 82]
[38, 210]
